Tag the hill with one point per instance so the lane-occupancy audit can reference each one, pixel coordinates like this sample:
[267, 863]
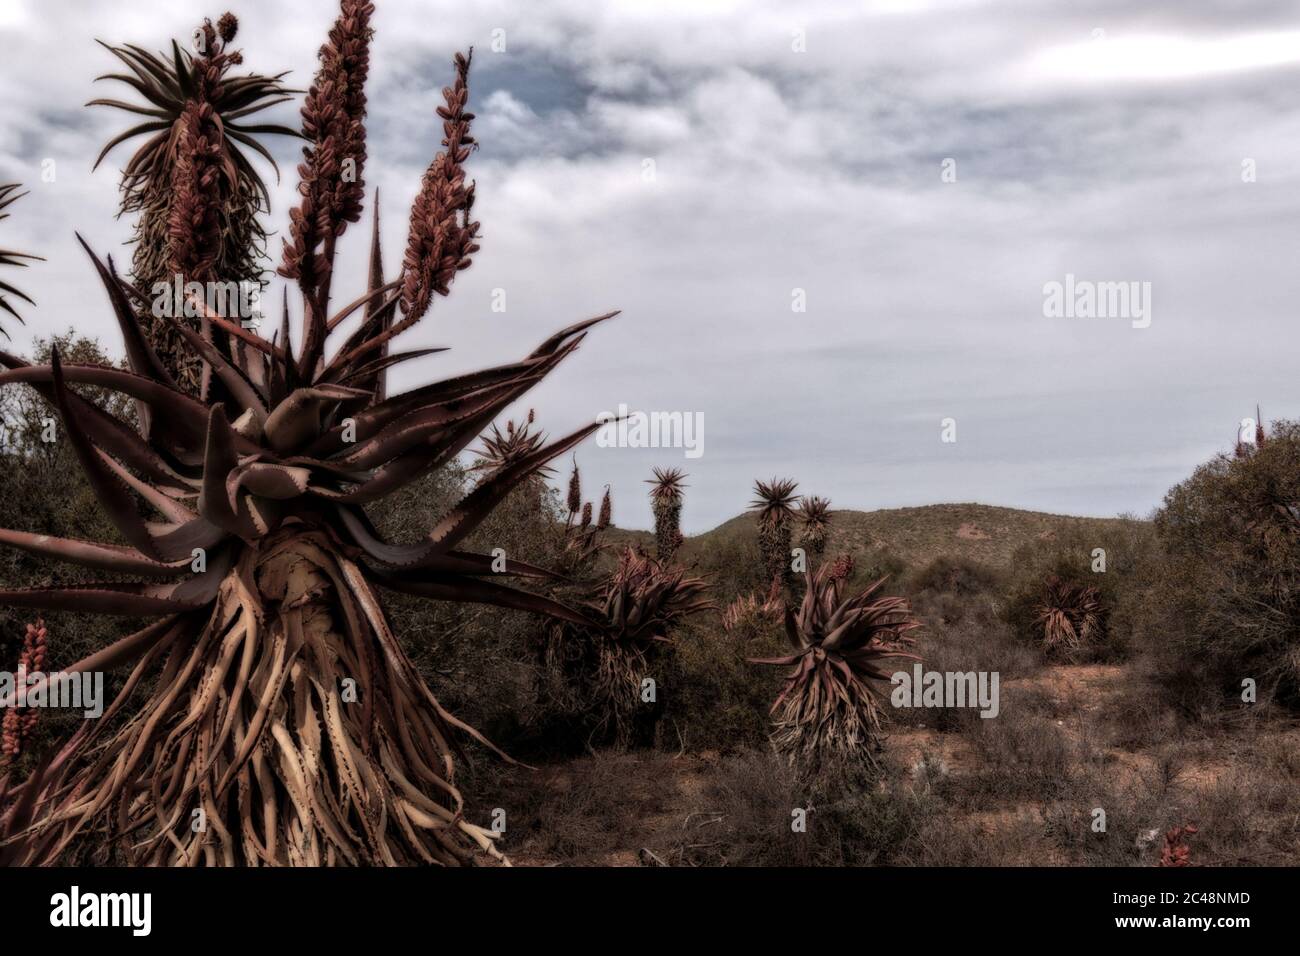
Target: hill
[914, 536]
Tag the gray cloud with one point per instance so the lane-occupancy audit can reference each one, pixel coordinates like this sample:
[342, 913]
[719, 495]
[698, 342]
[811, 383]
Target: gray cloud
[1113, 159]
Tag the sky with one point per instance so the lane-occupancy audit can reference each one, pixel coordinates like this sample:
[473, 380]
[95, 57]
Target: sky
[830, 226]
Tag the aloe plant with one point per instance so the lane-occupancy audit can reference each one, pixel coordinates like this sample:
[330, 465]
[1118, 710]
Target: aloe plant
[286, 724]
[197, 196]
[841, 647]
[1070, 616]
[596, 667]
[666, 501]
[815, 516]
[774, 503]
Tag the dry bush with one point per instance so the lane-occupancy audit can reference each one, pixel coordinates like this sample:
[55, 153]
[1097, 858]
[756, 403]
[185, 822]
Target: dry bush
[1020, 757]
[1245, 815]
[732, 561]
[959, 601]
[1139, 717]
[1013, 838]
[714, 700]
[580, 813]
[850, 821]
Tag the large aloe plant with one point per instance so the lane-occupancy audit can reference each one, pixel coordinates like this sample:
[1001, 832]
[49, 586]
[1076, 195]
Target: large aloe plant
[286, 725]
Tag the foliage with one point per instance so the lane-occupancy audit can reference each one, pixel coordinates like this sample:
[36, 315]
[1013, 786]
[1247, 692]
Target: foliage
[827, 712]
[595, 671]
[8, 195]
[1223, 603]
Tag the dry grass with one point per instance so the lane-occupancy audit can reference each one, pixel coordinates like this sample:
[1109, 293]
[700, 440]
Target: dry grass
[1021, 789]
[917, 536]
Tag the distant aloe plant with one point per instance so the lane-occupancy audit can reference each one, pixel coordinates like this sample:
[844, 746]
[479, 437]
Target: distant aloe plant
[815, 515]
[774, 501]
[666, 501]
[597, 668]
[1070, 616]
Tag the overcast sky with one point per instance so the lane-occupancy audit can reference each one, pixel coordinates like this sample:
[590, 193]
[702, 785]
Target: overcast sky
[795, 146]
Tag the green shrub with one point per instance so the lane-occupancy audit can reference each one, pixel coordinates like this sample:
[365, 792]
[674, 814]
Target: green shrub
[715, 698]
[1072, 557]
[1224, 605]
[955, 575]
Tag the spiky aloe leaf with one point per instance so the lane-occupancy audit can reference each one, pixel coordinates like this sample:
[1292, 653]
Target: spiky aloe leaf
[8, 257]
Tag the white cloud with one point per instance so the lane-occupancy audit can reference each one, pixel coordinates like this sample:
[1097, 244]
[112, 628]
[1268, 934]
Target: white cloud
[1106, 59]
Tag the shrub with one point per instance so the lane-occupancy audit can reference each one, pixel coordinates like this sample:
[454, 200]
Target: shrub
[1058, 574]
[594, 673]
[849, 822]
[714, 700]
[1224, 605]
[955, 575]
